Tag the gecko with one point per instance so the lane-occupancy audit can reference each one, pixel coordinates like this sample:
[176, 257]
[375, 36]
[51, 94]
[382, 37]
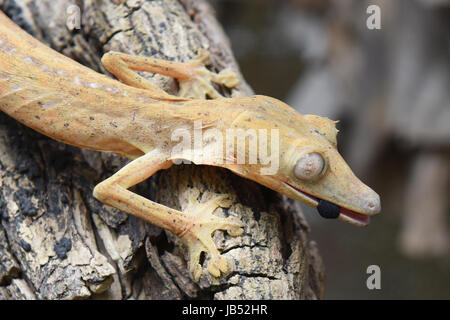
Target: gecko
[132, 117]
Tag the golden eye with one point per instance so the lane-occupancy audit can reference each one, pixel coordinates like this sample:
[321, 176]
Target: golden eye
[310, 166]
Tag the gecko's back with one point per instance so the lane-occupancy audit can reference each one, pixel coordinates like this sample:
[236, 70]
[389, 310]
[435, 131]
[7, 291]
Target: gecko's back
[62, 99]
[68, 102]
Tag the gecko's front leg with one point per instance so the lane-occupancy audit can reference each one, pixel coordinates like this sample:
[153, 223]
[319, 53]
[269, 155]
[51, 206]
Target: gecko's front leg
[194, 226]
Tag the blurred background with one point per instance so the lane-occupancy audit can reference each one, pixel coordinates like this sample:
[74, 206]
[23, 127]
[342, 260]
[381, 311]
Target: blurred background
[390, 89]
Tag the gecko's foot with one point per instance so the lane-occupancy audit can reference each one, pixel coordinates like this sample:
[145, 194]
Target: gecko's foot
[199, 84]
[198, 234]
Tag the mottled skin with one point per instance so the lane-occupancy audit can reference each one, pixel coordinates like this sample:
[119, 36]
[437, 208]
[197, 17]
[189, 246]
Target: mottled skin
[70, 103]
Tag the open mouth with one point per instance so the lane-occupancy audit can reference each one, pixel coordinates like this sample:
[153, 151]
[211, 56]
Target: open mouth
[330, 210]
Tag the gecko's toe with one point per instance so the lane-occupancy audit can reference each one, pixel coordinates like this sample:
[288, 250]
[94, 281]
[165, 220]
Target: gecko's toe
[223, 201]
[235, 227]
[196, 271]
[202, 57]
[217, 266]
[228, 78]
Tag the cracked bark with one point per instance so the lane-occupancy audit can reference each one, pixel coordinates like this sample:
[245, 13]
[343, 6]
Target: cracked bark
[58, 242]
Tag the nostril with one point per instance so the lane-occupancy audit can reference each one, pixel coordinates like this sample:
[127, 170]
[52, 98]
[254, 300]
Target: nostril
[374, 205]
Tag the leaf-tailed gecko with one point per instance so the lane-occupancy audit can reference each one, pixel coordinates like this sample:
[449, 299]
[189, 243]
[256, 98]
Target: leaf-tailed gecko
[71, 103]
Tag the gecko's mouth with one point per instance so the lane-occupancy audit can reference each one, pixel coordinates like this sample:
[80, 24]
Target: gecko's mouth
[330, 210]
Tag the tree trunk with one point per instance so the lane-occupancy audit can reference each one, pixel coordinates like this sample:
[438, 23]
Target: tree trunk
[58, 242]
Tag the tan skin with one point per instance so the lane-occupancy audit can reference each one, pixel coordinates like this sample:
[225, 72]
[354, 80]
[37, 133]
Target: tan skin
[70, 103]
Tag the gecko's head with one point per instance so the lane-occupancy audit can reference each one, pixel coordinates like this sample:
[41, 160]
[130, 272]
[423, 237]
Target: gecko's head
[311, 170]
[314, 172]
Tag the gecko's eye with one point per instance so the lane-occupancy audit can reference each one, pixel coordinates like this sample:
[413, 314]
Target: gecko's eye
[309, 166]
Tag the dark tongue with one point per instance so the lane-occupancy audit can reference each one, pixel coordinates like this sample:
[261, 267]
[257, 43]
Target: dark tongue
[328, 210]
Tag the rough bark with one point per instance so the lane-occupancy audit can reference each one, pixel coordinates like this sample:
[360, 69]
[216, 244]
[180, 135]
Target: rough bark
[58, 242]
